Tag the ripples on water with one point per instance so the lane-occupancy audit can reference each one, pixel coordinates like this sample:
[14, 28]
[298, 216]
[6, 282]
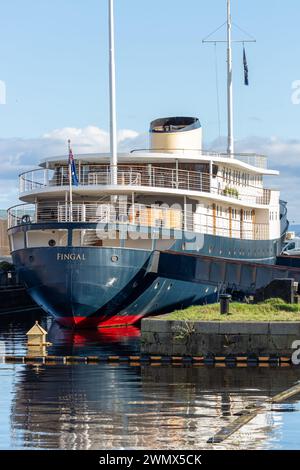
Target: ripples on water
[112, 406]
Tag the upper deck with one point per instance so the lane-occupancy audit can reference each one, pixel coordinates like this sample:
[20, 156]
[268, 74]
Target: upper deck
[249, 161]
[192, 173]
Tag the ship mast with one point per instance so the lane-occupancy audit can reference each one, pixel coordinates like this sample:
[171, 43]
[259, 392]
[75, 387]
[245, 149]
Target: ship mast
[112, 86]
[230, 142]
[229, 41]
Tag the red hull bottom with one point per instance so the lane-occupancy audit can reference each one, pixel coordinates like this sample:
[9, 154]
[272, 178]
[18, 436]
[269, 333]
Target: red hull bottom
[98, 322]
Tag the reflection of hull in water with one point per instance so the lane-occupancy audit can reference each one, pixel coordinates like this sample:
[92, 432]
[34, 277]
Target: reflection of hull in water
[107, 335]
[92, 342]
[85, 337]
[134, 407]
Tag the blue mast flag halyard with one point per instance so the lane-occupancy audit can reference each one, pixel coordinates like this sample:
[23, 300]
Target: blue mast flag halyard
[72, 166]
[246, 70]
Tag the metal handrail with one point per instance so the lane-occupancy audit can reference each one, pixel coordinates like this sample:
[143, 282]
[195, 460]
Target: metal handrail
[156, 177]
[136, 214]
[237, 156]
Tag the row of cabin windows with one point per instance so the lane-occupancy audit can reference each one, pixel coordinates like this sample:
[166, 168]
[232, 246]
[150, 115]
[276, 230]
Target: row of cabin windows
[274, 215]
[247, 215]
[259, 252]
[235, 213]
[240, 178]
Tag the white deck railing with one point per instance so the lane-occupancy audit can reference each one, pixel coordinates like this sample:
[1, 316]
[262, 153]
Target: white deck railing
[136, 215]
[252, 159]
[149, 177]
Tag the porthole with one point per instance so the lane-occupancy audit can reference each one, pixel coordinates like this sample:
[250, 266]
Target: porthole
[114, 258]
[52, 243]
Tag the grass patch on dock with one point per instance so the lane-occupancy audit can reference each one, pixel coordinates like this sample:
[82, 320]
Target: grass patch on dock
[269, 311]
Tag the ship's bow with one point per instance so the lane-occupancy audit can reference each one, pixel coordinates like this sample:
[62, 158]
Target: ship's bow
[85, 287]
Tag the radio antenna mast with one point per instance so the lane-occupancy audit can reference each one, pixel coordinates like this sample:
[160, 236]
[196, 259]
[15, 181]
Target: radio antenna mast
[229, 41]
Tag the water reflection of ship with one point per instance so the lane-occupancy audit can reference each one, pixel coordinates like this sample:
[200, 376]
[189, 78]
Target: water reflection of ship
[93, 342]
[108, 407]
[212, 398]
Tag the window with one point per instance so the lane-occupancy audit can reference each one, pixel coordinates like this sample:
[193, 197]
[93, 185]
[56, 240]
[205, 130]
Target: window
[215, 170]
[17, 241]
[46, 238]
[92, 237]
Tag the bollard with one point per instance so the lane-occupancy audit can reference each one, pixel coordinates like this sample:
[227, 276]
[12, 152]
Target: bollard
[224, 303]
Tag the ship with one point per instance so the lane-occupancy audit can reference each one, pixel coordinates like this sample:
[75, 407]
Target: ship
[85, 251]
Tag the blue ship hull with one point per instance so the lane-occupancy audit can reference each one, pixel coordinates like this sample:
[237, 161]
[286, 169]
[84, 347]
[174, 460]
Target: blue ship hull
[92, 290]
[103, 286]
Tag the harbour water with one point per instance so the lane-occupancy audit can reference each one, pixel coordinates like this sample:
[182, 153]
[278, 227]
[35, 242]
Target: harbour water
[122, 406]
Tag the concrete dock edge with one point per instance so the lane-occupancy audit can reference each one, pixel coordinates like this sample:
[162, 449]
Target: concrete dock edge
[218, 339]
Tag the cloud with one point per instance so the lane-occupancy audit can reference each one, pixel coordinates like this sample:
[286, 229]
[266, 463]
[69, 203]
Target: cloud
[283, 155]
[8, 193]
[91, 139]
[17, 155]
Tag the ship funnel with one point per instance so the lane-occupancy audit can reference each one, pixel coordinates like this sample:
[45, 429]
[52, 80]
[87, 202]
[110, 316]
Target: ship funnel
[176, 133]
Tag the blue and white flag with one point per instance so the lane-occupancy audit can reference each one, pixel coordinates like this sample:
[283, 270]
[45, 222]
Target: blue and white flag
[72, 166]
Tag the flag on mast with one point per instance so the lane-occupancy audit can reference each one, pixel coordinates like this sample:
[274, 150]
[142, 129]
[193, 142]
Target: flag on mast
[246, 70]
[72, 167]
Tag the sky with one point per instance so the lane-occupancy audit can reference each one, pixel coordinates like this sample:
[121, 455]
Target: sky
[54, 65]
